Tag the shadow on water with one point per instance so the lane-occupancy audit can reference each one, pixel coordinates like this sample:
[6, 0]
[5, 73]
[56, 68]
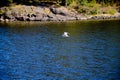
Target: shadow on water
[37, 51]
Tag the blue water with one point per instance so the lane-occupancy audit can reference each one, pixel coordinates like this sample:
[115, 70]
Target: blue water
[37, 51]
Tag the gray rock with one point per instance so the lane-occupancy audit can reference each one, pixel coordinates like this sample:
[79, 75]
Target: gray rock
[60, 11]
[31, 19]
[61, 18]
[71, 18]
[1, 19]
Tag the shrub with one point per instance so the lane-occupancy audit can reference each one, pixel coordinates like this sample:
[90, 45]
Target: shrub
[83, 2]
[74, 5]
[112, 11]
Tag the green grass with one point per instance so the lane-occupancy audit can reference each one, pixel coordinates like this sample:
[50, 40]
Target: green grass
[112, 12]
[92, 8]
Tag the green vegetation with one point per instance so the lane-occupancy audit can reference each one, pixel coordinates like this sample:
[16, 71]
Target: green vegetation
[69, 2]
[82, 6]
[94, 6]
[26, 2]
[103, 2]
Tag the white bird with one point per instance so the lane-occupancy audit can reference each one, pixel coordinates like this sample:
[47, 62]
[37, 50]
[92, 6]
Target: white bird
[65, 34]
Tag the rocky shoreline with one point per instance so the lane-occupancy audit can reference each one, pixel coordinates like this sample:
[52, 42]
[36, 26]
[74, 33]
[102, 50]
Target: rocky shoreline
[42, 13]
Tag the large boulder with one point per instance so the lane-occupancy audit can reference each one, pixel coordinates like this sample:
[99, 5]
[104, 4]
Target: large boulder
[62, 11]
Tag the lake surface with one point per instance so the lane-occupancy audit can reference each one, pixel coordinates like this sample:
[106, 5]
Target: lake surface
[37, 51]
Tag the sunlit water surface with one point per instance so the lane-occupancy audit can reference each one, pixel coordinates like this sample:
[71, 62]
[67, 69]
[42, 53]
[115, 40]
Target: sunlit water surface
[37, 51]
